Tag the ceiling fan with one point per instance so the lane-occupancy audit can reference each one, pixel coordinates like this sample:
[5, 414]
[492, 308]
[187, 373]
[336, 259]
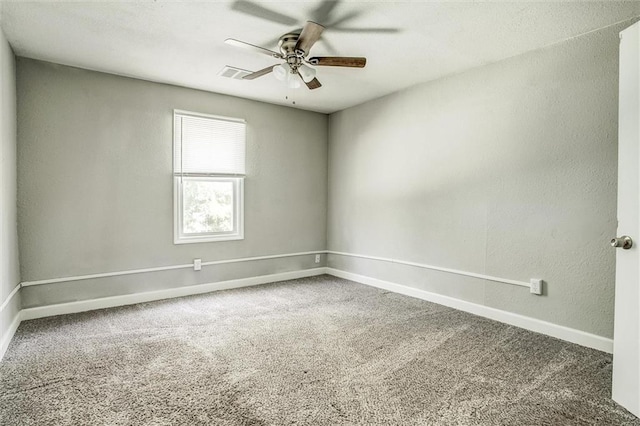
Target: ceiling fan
[294, 50]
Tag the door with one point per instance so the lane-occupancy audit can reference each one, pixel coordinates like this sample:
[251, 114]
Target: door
[626, 335]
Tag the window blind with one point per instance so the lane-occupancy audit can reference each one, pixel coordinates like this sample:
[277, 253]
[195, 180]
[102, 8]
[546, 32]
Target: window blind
[208, 145]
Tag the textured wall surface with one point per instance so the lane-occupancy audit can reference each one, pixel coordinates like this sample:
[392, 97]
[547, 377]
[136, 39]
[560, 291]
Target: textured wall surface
[95, 176]
[9, 268]
[507, 170]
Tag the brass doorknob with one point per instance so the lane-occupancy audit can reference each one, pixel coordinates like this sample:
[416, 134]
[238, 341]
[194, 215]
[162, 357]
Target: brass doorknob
[625, 242]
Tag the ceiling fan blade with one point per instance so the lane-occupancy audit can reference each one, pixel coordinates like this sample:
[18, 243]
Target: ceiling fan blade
[260, 73]
[309, 35]
[365, 30]
[259, 11]
[330, 48]
[252, 47]
[313, 84]
[324, 10]
[345, 18]
[338, 61]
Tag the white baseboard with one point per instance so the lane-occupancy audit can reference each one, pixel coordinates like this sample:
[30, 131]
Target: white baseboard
[564, 333]
[558, 331]
[8, 335]
[130, 299]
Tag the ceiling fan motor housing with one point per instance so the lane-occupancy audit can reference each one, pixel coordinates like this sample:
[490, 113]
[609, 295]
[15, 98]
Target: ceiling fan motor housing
[287, 46]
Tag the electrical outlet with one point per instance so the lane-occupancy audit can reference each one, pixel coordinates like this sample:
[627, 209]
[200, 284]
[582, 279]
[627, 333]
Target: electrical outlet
[536, 286]
[197, 264]
[317, 258]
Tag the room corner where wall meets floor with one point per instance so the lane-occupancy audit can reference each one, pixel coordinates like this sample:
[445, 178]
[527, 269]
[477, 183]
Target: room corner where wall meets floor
[10, 302]
[508, 170]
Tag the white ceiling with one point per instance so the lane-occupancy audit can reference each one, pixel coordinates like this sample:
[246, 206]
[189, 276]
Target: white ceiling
[182, 43]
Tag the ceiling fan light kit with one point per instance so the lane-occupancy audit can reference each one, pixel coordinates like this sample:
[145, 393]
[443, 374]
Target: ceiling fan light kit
[294, 50]
[280, 72]
[306, 73]
[283, 73]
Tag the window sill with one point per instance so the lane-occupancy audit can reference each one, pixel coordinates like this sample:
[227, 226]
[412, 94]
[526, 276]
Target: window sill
[207, 239]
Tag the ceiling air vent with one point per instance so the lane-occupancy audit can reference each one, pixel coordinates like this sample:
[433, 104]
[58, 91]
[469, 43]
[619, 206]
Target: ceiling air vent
[233, 72]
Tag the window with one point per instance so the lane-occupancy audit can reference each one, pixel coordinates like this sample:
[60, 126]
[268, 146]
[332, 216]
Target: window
[208, 170]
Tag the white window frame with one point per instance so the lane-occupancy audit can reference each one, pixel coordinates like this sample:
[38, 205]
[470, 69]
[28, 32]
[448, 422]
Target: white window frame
[179, 237]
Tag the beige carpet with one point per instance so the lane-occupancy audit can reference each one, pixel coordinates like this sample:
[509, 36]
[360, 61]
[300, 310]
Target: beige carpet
[315, 351]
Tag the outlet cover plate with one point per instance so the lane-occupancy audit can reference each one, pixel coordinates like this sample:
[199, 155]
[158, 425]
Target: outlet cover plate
[535, 286]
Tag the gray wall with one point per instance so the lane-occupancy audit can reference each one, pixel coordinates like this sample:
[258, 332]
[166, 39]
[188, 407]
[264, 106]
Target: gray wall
[9, 268]
[95, 183]
[507, 170]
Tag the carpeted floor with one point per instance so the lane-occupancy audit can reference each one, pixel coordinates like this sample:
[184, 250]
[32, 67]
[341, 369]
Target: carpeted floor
[315, 351]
